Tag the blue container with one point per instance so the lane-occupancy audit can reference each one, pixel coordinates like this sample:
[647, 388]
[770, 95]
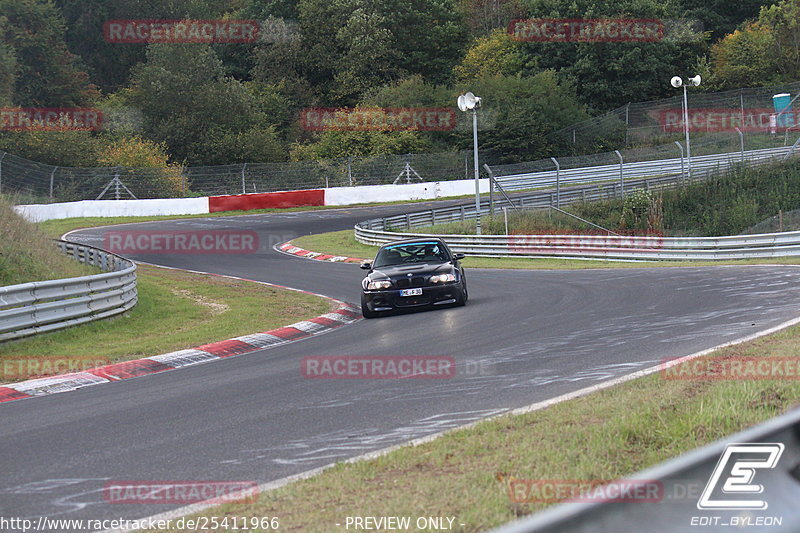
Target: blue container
[782, 103]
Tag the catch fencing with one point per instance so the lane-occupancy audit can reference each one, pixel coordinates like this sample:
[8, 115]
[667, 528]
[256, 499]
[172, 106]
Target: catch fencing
[34, 182]
[651, 175]
[660, 121]
[40, 306]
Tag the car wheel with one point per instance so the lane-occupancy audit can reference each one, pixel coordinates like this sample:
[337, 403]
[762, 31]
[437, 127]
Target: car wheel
[462, 299]
[365, 309]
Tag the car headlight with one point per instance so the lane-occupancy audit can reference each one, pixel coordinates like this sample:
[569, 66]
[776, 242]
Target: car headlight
[376, 285]
[443, 278]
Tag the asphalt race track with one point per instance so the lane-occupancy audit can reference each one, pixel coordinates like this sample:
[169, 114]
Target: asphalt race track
[525, 336]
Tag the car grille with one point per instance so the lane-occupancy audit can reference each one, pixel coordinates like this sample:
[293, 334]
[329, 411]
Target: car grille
[404, 283]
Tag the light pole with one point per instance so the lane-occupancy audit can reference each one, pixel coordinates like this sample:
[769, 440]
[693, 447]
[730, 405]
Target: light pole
[470, 102]
[676, 82]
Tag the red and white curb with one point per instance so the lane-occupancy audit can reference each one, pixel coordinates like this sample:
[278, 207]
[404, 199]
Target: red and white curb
[344, 314]
[291, 249]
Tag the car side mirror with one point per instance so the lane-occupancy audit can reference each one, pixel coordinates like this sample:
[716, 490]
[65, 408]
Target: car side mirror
[458, 257]
[366, 265]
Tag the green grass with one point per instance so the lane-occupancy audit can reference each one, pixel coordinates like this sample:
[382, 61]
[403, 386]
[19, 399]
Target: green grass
[466, 473]
[344, 243]
[27, 254]
[176, 310]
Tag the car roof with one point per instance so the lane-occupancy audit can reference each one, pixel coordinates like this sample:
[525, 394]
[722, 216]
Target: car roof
[437, 240]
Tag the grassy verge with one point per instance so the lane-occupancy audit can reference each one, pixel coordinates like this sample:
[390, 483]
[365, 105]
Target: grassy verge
[466, 473]
[27, 254]
[344, 243]
[176, 310]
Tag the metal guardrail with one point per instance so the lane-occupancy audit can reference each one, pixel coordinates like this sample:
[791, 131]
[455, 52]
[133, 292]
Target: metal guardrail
[40, 306]
[681, 481]
[640, 169]
[665, 174]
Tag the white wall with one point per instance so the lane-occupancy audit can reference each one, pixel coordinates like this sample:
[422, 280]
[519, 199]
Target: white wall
[113, 208]
[394, 193]
[191, 206]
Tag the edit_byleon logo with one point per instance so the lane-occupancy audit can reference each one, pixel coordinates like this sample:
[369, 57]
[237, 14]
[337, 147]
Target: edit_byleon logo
[731, 485]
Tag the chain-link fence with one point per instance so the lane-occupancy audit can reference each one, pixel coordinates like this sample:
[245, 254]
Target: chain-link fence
[736, 147]
[661, 121]
[31, 182]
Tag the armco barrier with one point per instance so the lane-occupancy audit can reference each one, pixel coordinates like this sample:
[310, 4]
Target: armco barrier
[377, 231]
[40, 306]
[512, 181]
[681, 482]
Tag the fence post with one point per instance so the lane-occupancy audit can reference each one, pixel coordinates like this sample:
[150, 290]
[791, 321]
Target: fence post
[349, 170]
[116, 183]
[741, 142]
[627, 122]
[244, 190]
[683, 174]
[1, 172]
[52, 177]
[558, 182]
[183, 181]
[621, 174]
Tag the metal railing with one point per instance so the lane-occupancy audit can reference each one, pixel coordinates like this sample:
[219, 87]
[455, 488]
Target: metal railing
[680, 482]
[30, 308]
[663, 174]
[623, 171]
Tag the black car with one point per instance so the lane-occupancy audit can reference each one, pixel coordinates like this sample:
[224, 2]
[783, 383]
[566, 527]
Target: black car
[412, 273]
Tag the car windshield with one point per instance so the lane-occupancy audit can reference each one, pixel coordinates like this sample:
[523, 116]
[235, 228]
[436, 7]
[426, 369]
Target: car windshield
[412, 252]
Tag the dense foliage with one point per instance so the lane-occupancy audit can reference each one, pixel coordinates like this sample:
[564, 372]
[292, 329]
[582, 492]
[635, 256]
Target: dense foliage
[232, 103]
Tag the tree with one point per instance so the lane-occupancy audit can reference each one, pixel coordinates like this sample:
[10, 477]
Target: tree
[48, 75]
[744, 58]
[525, 110]
[720, 17]
[486, 16]
[8, 68]
[763, 52]
[110, 63]
[611, 74]
[188, 102]
[137, 156]
[496, 54]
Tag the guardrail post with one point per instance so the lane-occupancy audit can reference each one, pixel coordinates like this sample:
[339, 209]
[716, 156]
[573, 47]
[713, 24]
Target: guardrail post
[408, 221]
[52, 177]
[741, 142]
[463, 215]
[558, 183]
[244, 167]
[621, 174]
[433, 217]
[683, 173]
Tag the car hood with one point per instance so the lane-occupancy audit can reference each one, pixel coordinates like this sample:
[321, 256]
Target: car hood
[403, 271]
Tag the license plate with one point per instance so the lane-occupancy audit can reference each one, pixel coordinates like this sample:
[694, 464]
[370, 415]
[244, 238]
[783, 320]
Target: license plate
[411, 292]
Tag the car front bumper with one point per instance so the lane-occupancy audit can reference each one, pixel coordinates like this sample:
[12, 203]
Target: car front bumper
[390, 299]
